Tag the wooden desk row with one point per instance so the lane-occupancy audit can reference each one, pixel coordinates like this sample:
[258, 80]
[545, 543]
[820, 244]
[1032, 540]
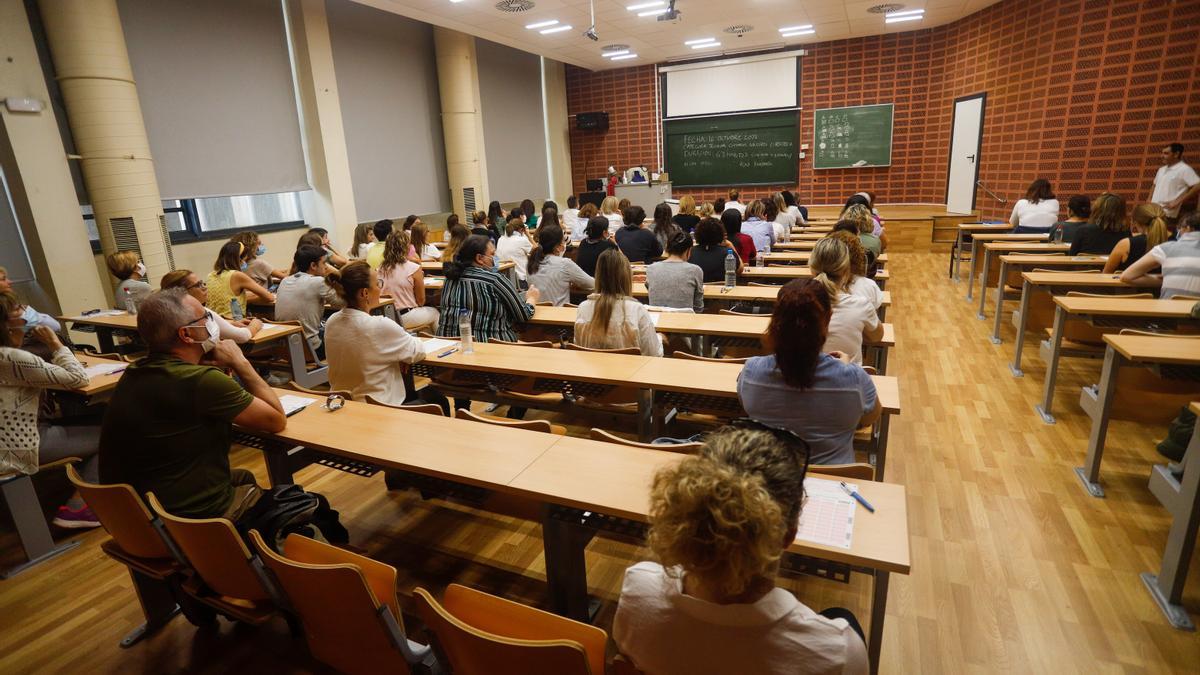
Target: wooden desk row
[585, 487]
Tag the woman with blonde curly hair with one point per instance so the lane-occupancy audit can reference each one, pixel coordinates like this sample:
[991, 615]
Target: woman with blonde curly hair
[719, 523]
[859, 283]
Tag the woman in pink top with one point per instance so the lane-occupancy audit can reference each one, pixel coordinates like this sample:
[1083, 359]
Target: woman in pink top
[404, 280]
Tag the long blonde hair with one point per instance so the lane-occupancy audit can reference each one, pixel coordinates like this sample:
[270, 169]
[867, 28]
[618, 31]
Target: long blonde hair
[858, 254]
[614, 283]
[458, 234]
[395, 251]
[1152, 219]
[830, 265]
[687, 205]
[608, 206]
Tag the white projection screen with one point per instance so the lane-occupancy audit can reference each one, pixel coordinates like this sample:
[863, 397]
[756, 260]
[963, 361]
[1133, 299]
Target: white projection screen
[734, 85]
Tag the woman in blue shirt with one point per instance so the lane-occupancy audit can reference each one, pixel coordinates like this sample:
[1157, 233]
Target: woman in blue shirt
[821, 397]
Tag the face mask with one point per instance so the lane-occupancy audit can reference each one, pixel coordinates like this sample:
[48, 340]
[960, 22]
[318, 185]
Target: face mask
[31, 318]
[214, 334]
[495, 265]
[261, 250]
[245, 266]
[140, 268]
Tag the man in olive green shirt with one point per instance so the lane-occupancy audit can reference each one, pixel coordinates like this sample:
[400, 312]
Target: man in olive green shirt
[168, 427]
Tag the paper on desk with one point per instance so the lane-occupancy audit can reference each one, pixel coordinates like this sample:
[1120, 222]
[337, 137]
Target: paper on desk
[828, 514]
[438, 344]
[107, 312]
[269, 326]
[100, 369]
[292, 404]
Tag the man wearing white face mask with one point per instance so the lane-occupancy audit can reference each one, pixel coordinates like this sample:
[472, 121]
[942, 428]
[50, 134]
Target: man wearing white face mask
[169, 423]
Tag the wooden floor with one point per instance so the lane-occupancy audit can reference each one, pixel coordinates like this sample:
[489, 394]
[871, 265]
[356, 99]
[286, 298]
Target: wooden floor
[1014, 567]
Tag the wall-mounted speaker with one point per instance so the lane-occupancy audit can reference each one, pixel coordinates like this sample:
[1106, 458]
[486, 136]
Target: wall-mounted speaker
[592, 121]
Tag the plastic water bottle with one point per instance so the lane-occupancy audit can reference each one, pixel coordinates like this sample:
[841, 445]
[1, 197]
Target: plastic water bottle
[730, 269]
[464, 332]
[760, 259]
[235, 308]
[130, 305]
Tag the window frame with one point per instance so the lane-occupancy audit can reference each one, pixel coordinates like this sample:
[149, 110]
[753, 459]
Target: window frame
[192, 232]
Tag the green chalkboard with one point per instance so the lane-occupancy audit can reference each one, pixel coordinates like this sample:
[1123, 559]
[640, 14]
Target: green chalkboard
[855, 137]
[752, 149]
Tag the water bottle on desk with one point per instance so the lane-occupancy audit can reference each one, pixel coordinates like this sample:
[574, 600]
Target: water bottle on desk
[235, 309]
[464, 332]
[130, 305]
[760, 258]
[730, 269]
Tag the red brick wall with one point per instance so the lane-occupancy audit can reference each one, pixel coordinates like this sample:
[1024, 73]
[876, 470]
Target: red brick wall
[1082, 92]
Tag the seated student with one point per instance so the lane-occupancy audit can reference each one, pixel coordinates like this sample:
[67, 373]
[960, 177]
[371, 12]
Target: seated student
[1079, 209]
[262, 272]
[800, 213]
[32, 316]
[686, 219]
[719, 524]
[596, 243]
[1105, 227]
[364, 236]
[860, 283]
[480, 225]
[238, 331]
[801, 385]
[743, 245]
[635, 241]
[531, 215]
[571, 215]
[711, 249]
[419, 244]
[675, 282]
[549, 217]
[332, 257]
[1037, 212]
[229, 282]
[623, 204]
[865, 199]
[368, 353]
[381, 230]
[28, 439]
[608, 209]
[515, 247]
[303, 296]
[760, 230]
[404, 280]
[861, 217]
[129, 268]
[783, 220]
[705, 210]
[854, 317]
[1148, 228]
[169, 424]
[496, 216]
[554, 275]
[719, 206]
[579, 225]
[664, 228]
[489, 298]
[611, 318]
[733, 203]
[1180, 275]
[458, 235]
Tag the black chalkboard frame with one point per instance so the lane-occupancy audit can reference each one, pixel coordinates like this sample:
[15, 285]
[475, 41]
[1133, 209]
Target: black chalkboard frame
[792, 179]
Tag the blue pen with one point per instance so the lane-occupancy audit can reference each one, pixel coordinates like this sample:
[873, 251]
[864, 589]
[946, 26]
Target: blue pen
[448, 352]
[853, 493]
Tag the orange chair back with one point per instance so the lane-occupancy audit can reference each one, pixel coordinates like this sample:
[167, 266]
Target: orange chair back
[123, 515]
[332, 592]
[486, 635]
[543, 426]
[427, 408]
[578, 348]
[682, 448]
[216, 552]
[857, 471]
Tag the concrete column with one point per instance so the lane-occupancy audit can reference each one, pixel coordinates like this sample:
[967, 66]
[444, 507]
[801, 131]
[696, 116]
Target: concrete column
[92, 67]
[321, 119]
[35, 165]
[462, 122]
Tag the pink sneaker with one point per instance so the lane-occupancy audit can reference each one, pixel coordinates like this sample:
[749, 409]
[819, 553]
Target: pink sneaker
[74, 520]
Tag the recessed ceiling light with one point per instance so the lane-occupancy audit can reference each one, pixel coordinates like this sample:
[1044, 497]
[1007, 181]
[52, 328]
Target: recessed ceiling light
[791, 29]
[700, 41]
[898, 19]
[653, 12]
[706, 45]
[455, 2]
[626, 56]
[541, 24]
[797, 33]
[556, 29]
[644, 5]
[609, 55]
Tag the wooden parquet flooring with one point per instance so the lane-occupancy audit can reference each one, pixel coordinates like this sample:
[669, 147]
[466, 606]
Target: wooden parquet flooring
[1014, 567]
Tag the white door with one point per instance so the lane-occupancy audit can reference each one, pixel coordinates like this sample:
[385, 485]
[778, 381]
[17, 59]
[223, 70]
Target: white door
[965, 145]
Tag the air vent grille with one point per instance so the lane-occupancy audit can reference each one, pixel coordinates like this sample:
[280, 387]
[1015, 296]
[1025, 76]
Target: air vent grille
[886, 8]
[514, 6]
[614, 48]
[469, 200]
[739, 29]
[166, 237]
[124, 233]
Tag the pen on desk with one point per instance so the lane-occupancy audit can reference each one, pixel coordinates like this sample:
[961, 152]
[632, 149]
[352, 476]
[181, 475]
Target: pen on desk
[859, 498]
[448, 352]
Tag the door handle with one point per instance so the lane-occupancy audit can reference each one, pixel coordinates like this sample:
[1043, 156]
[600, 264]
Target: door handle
[972, 158]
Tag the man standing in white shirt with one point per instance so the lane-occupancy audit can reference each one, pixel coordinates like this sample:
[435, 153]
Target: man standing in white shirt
[733, 203]
[1175, 182]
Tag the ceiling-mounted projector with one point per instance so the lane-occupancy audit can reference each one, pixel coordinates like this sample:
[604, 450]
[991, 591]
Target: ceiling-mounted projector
[591, 34]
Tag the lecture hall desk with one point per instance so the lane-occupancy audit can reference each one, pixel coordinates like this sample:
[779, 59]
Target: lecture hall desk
[999, 248]
[1023, 262]
[977, 242]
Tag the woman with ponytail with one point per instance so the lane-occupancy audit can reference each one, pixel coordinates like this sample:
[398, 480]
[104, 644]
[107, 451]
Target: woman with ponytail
[474, 286]
[554, 275]
[719, 523]
[854, 317]
[1148, 228]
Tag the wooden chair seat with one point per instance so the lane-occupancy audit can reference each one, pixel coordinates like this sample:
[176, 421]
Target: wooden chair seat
[155, 568]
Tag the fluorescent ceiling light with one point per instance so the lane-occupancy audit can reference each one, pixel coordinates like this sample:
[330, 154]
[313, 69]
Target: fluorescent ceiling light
[798, 33]
[790, 29]
[609, 55]
[622, 58]
[905, 13]
[556, 29]
[644, 5]
[898, 19]
[455, 2]
[706, 45]
[653, 12]
[700, 41]
[541, 24]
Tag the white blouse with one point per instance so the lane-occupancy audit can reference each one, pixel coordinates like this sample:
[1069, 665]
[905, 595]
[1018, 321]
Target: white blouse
[366, 354]
[630, 325]
[1041, 216]
[515, 247]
